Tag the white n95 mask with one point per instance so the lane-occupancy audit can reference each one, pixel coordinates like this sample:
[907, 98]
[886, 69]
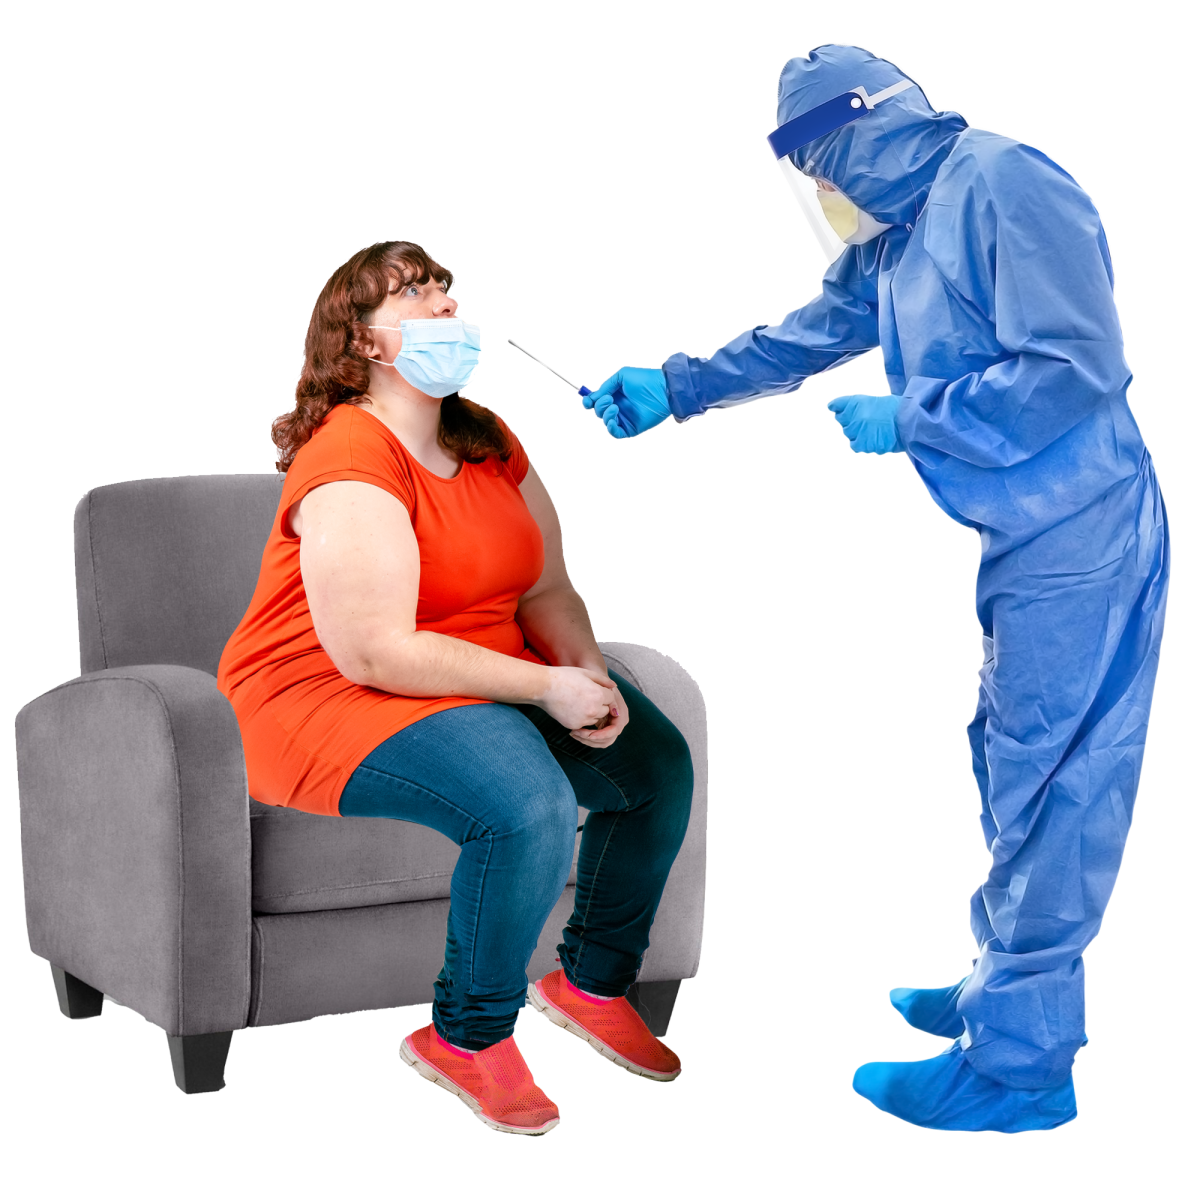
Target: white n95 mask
[437, 354]
[848, 221]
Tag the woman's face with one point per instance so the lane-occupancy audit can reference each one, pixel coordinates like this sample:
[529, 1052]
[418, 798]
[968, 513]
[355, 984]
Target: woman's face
[411, 302]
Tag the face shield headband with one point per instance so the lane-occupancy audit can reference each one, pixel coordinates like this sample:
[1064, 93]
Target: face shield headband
[809, 126]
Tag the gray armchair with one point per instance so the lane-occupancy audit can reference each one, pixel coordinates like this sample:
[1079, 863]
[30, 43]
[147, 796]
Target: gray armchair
[152, 877]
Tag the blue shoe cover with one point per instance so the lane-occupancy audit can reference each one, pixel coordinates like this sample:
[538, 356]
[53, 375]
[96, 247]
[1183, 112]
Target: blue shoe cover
[933, 1010]
[946, 1092]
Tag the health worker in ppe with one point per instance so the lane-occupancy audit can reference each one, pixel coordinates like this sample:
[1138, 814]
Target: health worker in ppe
[981, 269]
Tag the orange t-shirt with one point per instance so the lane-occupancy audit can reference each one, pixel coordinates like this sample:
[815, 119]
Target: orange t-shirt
[305, 727]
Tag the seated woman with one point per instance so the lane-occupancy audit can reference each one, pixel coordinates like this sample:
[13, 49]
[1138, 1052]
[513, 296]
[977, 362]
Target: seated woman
[413, 574]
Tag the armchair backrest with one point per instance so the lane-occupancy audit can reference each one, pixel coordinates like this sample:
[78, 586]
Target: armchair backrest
[165, 568]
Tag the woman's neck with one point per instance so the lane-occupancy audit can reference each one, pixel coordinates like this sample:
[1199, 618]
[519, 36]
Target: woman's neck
[414, 418]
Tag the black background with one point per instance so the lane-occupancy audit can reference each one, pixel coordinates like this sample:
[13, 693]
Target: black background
[607, 207]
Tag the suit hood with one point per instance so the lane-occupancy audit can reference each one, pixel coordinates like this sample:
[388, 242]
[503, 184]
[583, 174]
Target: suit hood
[886, 160]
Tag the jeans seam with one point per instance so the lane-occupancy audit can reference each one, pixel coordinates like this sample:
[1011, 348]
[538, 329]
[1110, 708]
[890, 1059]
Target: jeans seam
[595, 876]
[479, 908]
[579, 756]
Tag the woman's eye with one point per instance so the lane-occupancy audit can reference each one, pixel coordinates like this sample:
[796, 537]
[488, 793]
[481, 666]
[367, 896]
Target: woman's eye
[414, 291]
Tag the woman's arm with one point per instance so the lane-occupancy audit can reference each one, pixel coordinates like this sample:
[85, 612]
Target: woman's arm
[361, 570]
[557, 625]
[552, 614]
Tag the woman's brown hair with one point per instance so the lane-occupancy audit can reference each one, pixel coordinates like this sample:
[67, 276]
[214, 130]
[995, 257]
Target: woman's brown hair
[335, 369]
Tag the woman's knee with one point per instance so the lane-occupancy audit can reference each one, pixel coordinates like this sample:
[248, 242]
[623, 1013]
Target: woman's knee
[540, 814]
[672, 769]
[534, 796]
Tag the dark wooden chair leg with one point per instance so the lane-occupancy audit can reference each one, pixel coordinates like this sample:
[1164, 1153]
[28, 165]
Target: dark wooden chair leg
[654, 1002]
[76, 998]
[198, 1060]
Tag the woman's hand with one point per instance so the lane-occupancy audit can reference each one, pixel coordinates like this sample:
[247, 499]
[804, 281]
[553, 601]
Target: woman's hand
[577, 696]
[606, 732]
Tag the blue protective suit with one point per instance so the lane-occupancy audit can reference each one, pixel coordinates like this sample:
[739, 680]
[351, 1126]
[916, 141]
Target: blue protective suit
[992, 298]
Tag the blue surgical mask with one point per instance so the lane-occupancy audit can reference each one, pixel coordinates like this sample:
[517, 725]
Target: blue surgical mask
[437, 355]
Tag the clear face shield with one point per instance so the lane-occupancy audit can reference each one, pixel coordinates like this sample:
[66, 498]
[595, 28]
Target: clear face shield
[835, 220]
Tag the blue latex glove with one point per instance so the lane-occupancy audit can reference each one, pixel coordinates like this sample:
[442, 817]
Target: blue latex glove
[631, 401]
[869, 422]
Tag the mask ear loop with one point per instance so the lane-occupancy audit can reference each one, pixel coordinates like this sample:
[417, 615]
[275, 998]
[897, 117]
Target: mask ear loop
[400, 327]
[381, 361]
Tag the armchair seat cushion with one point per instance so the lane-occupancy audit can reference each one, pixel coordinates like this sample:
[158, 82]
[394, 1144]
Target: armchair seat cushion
[302, 862]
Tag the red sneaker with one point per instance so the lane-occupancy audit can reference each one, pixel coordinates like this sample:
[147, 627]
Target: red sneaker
[612, 1027]
[494, 1084]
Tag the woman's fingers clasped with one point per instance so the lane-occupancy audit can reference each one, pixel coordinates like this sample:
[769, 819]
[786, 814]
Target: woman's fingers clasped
[605, 732]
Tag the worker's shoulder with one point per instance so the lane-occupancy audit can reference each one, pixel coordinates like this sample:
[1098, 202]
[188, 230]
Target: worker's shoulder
[1002, 166]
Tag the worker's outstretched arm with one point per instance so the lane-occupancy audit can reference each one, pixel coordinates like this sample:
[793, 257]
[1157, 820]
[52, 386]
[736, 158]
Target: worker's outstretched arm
[841, 323]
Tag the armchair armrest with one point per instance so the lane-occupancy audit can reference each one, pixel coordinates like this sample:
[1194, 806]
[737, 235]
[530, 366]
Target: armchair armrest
[674, 951]
[135, 837]
[670, 687]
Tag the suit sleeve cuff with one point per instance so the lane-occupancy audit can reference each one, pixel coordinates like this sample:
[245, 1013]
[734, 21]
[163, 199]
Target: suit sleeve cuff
[681, 395]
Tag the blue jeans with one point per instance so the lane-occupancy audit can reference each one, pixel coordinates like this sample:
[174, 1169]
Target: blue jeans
[504, 782]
